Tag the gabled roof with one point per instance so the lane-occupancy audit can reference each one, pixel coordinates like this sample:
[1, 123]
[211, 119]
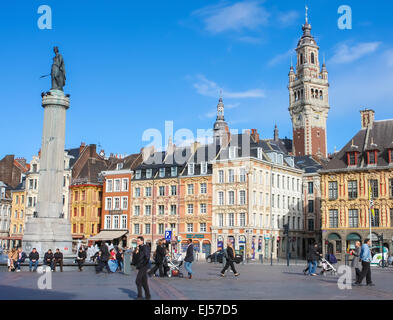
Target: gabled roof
[380, 134]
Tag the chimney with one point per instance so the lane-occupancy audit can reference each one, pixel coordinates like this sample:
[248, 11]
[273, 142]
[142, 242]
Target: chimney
[255, 135]
[82, 147]
[367, 118]
[93, 150]
[275, 133]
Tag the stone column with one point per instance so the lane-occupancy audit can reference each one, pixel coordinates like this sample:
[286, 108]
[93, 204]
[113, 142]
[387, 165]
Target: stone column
[50, 230]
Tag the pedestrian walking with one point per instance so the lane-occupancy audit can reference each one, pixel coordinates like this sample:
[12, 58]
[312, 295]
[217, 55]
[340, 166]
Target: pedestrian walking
[189, 258]
[158, 256]
[80, 258]
[313, 257]
[356, 260]
[365, 257]
[140, 259]
[120, 259]
[58, 260]
[48, 259]
[33, 257]
[230, 258]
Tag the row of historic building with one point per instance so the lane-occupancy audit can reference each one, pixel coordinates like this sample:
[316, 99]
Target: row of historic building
[238, 187]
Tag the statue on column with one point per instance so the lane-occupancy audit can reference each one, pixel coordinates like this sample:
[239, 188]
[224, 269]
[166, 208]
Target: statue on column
[58, 73]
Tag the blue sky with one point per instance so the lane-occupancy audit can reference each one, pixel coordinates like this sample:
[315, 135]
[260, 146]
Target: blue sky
[131, 65]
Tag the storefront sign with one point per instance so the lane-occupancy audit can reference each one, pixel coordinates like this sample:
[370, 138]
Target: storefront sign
[195, 236]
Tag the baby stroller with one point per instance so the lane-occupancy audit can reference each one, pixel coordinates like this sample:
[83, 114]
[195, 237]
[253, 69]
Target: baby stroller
[327, 264]
[174, 266]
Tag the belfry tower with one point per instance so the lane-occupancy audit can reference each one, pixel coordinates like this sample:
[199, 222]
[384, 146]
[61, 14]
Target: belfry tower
[308, 97]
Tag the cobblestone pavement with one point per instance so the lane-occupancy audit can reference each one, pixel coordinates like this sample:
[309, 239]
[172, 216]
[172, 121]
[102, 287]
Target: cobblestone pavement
[255, 282]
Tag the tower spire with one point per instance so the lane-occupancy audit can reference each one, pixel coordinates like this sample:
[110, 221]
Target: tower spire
[306, 14]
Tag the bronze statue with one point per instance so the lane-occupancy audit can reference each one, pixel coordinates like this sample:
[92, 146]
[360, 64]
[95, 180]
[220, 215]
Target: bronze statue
[58, 73]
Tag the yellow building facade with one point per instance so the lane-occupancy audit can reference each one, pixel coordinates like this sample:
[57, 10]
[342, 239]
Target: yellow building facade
[18, 217]
[85, 210]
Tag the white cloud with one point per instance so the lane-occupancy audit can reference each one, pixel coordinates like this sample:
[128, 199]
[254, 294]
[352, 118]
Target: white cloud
[287, 18]
[281, 57]
[345, 53]
[209, 88]
[242, 15]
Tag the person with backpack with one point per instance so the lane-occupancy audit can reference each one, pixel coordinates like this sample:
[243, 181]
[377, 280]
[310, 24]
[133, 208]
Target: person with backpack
[229, 254]
[140, 259]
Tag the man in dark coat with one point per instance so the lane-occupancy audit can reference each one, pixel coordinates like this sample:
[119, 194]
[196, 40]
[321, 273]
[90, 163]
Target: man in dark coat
[189, 258]
[103, 258]
[140, 259]
[48, 259]
[313, 257]
[58, 260]
[158, 259]
[34, 257]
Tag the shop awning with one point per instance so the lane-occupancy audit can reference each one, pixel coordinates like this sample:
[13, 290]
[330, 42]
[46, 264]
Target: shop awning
[334, 236]
[353, 236]
[108, 235]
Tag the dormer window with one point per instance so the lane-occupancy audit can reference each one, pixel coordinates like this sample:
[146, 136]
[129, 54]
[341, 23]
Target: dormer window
[372, 157]
[203, 167]
[148, 173]
[138, 174]
[259, 153]
[119, 166]
[352, 158]
[174, 171]
[232, 152]
[162, 172]
[280, 159]
[191, 167]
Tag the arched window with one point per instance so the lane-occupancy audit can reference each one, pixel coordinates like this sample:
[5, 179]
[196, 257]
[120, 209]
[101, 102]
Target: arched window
[301, 93]
[295, 96]
[301, 58]
[312, 58]
[312, 93]
[320, 95]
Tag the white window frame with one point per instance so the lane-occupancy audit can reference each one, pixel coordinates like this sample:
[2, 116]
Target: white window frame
[124, 203]
[204, 168]
[191, 169]
[114, 203]
[190, 208]
[148, 212]
[202, 227]
[190, 227]
[138, 174]
[124, 184]
[203, 208]
[149, 173]
[115, 219]
[108, 221]
[108, 207]
[161, 172]
[123, 221]
[117, 186]
[109, 185]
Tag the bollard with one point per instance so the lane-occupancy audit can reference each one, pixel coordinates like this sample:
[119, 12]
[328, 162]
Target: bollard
[127, 263]
[261, 258]
[271, 259]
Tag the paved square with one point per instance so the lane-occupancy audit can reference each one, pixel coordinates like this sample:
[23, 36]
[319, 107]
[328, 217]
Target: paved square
[255, 282]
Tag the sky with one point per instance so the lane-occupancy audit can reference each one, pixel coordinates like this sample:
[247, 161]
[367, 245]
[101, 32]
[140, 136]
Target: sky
[132, 65]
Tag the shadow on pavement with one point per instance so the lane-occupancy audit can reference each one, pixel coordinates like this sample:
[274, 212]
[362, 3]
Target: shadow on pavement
[15, 293]
[131, 294]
